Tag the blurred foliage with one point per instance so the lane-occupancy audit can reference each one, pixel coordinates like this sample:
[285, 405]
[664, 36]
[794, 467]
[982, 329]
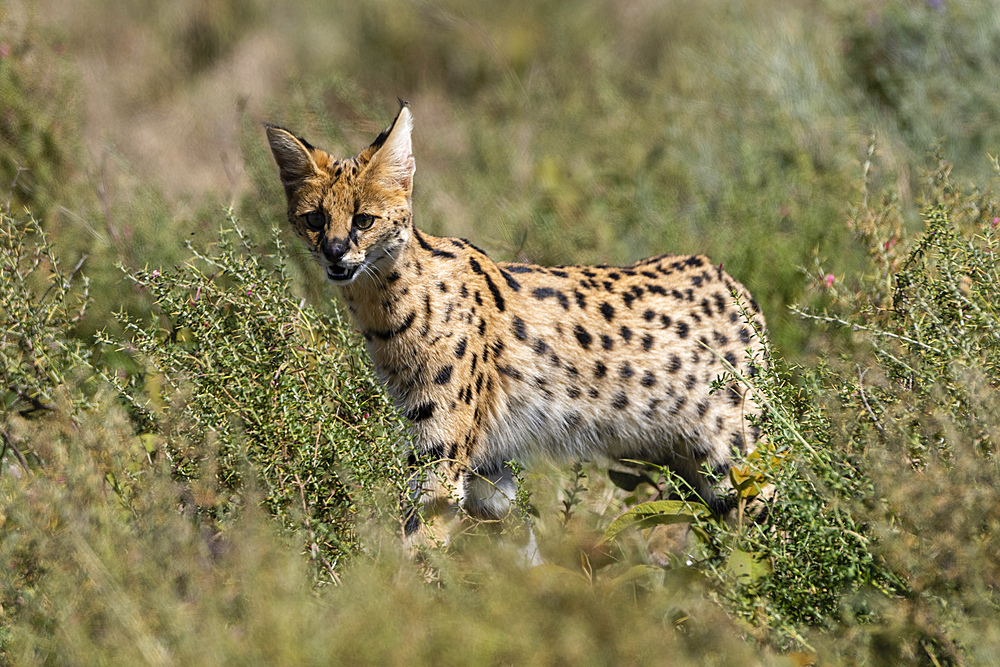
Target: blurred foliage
[237, 365]
[41, 148]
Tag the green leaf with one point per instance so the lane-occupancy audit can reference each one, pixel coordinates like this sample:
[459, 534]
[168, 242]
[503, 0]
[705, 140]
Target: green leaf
[655, 513]
[747, 567]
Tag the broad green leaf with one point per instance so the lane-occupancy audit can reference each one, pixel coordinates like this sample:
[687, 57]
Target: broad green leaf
[637, 572]
[655, 513]
[747, 567]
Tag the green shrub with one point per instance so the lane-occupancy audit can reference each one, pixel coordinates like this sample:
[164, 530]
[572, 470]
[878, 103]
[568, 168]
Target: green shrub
[885, 517]
[235, 362]
[40, 303]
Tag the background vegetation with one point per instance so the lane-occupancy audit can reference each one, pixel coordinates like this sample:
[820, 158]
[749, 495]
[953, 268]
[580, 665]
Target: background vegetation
[197, 466]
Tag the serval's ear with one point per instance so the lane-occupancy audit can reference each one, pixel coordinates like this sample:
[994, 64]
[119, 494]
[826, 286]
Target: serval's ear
[391, 154]
[293, 155]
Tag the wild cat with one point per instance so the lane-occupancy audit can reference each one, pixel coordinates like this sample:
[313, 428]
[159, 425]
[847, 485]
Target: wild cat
[495, 361]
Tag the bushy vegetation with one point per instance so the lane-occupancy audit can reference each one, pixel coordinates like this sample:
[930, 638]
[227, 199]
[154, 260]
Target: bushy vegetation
[215, 476]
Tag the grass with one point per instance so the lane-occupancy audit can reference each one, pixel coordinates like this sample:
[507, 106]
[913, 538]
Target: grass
[197, 465]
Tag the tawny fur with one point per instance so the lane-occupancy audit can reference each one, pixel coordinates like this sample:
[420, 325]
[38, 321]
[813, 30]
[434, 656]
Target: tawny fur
[494, 361]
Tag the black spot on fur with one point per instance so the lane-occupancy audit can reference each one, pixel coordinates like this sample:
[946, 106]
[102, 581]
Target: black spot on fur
[620, 401]
[412, 523]
[738, 442]
[494, 290]
[608, 311]
[690, 382]
[607, 342]
[541, 293]
[510, 372]
[593, 393]
[421, 412]
[647, 342]
[520, 331]
[540, 346]
[648, 379]
[387, 334]
[745, 335]
[626, 371]
[428, 247]
[583, 337]
[573, 391]
[600, 370]
[730, 359]
[682, 328]
[509, 279]
[625, 333]
[460, 348]
[665, 321]
[720, 302]
[675, 364]
[443, 376]
[581, 302]
[649, 316]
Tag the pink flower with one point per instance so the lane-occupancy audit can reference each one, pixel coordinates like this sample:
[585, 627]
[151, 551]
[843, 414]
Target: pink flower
[829, 280]
[4, 50]
[156, 273]
[996, 221]
[891, 242]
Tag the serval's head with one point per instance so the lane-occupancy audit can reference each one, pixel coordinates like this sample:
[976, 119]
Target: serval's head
[354, 214]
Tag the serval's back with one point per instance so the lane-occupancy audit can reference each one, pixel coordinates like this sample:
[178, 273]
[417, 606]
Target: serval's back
[495, 361]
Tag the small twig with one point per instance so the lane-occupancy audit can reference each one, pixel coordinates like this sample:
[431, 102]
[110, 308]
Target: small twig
[36, 404]
[864, 399]
[8, 442]
[68, 280]
[860, 327]
[13, 186]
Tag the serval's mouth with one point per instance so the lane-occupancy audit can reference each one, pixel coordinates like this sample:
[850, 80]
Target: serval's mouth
[341, 275]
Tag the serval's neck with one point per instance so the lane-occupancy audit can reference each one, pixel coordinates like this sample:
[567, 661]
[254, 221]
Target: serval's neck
[391, 299]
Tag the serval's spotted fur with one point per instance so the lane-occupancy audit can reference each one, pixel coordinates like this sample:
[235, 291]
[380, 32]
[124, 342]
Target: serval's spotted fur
[494, 361]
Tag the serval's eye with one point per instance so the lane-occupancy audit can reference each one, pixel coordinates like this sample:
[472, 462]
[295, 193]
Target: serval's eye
[363, 220]
[316, 221]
